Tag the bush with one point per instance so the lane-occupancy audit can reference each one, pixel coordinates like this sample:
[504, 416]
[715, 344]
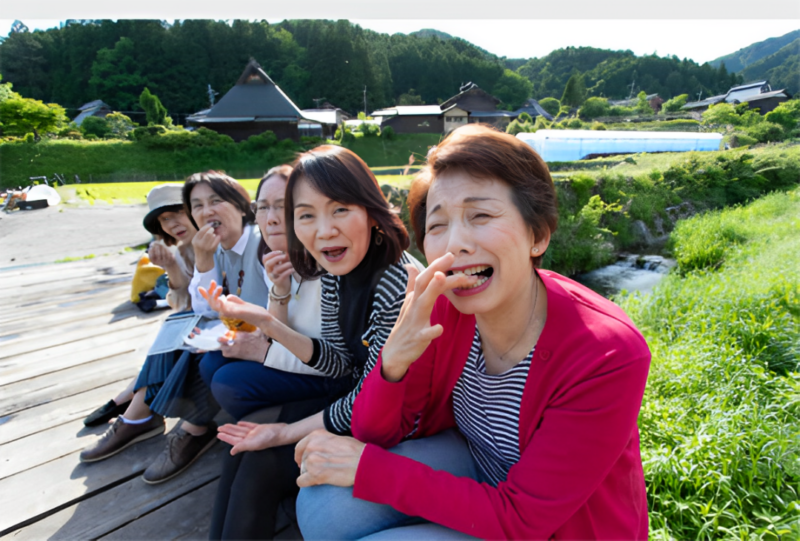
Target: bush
[598, 126]
[593, 108]
[524, 117]
[721, 114]
[551, 105]
[618, 110]
[255, 143]
[96, 126]
[574, 124]
[675, 104]
[787, 115]
[388, 133]
[766, 132]
[369, 130]
[740, 139]
[517, 126]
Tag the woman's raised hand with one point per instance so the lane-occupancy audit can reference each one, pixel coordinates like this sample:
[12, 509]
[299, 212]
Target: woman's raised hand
[160, 255]
[279, 271]
[205, 243]
[233, 307]
[412, 332]
[246, 436]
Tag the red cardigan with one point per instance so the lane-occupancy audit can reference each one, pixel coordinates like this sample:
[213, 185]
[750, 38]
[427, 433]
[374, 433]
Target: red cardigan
[580, 472]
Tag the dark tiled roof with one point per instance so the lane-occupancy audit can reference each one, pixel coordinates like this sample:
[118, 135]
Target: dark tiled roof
[254, 97]
[765, 95]
[533, 108]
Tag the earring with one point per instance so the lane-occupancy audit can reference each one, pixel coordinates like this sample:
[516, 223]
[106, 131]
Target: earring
[536, 250]
[378, 239]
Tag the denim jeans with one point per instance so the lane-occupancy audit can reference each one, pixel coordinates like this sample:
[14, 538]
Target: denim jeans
[242, 387]
[330, 512]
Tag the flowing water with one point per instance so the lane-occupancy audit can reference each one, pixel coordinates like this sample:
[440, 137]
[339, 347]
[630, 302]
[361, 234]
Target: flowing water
[631, 273]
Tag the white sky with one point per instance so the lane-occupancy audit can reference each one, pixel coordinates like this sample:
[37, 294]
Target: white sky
[700, 40]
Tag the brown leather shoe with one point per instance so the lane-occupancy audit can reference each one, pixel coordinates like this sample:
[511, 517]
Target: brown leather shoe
[181, 451]
[121, 436]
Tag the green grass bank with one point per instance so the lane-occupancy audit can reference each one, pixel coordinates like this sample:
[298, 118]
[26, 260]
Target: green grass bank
[720, 420]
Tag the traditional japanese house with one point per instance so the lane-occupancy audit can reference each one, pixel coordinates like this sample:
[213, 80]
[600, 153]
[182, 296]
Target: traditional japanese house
[254, 105]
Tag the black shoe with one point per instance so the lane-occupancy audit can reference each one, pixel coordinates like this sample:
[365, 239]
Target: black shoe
[105, 413]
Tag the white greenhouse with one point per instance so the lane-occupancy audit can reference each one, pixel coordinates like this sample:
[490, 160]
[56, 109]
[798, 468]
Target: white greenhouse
[571, 145]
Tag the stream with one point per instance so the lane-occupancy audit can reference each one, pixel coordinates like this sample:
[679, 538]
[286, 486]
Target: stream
[631, 273]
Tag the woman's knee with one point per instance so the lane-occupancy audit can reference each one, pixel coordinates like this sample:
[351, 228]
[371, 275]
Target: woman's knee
[209, 364]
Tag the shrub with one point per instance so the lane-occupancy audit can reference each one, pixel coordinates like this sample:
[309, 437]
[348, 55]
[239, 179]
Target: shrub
[551, 105]
[787, 115]
[766, 132]
[96, 126]
[593, 108]
[598, 126]
[156, 112]
[675, 104]
[517, 126]
[721, 114]
[642, 105]
[255, 143]
[574, 124]
[524, 117]
[740, 139]
[119, 124]
[369, 130]
[388, 133]
[618, 110]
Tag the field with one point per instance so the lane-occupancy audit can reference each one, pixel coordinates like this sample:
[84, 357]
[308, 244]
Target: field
[720, 420]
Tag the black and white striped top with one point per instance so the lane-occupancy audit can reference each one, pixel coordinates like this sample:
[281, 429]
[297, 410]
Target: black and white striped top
[486, 409]
[331, 355]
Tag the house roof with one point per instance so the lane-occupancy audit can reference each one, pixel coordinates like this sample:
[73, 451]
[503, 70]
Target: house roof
[469, 88]
[409, 110]
[96, 104]
[748, 85]
[631, 101]
[254, 97]
[323, 116]
[765, 95]
[704, 103]
[493, 114]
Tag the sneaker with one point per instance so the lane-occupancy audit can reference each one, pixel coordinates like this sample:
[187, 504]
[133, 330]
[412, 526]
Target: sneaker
[105, 413]
[182, 451]
[120, 436]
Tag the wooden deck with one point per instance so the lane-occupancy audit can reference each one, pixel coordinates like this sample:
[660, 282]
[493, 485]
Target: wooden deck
[70, 340]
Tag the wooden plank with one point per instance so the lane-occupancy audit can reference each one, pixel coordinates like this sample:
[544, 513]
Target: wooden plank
[80, 283]
[119, 505]
[83, 351]
[38, 336]
[60, 272]
[58, 412]
[31, 307]
[54, 318]
[188, 517]
[66, 481]
[67, 294]
[57, 385]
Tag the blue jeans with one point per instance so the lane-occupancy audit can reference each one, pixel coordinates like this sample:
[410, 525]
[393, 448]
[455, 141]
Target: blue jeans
[330, 512]
[242, 387]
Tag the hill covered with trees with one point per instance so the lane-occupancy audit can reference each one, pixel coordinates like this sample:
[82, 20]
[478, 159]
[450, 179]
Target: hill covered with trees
[312, 60]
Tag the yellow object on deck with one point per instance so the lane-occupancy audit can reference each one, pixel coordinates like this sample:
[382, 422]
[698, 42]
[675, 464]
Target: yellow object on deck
[144, 278]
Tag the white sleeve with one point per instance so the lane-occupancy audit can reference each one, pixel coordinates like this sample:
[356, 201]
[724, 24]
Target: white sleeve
[202, 279]
[280, 358]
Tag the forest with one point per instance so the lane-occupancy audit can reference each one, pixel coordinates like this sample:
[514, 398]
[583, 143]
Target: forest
[313, 60]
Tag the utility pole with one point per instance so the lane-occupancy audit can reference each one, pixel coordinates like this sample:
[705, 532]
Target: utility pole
[211, 94]
[633, 86]
[365, 100]
[316, 101]
[700, 95]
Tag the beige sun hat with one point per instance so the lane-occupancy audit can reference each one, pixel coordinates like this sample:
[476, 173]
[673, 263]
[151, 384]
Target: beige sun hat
[162, 199]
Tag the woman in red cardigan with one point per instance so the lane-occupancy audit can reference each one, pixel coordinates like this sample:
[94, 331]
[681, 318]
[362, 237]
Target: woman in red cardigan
[543, 377]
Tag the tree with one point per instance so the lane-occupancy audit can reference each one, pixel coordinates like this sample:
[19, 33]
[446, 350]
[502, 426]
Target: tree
[156, 113]
[593, 108]
[6, 92]
[116, 75]
[574, 92]
[94, 125]
[787, 114]
[119, 125]
[721, 114]
[674, 105]
[512, 89]
[551, 105]
[410, 98]
[20, 116]
[642, 105]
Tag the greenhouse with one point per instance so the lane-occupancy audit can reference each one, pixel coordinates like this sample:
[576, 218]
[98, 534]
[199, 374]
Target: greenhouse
[571, 145]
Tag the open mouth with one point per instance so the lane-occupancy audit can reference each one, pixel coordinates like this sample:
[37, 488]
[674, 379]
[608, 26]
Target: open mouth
[333, 254]
[180, 233]
[215, 224]
[483, 272]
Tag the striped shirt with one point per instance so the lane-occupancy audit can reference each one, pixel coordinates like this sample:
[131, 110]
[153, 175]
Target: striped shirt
[331, 355]
[486, 409]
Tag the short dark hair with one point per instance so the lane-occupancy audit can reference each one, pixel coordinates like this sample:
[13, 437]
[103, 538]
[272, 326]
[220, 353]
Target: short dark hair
[282, 171]
[484, 152]
[339, 174]
[224, 186]
[156, 229]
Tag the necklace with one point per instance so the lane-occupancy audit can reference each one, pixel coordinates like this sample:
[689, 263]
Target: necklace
[240, 281]
[297, 291]
[530, 320]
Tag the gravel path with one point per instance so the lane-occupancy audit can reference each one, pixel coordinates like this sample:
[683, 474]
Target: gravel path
[48, 235]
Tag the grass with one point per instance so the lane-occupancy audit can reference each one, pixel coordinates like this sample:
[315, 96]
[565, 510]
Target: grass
[720, 420]
[70, 259]
[380, 152]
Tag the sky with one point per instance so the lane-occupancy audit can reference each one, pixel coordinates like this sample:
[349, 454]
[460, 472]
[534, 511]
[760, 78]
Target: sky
[700, 40]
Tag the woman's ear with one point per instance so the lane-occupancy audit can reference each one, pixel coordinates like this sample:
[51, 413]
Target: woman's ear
[540, 244]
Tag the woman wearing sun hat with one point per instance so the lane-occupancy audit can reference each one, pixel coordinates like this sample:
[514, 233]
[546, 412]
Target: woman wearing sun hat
[172, 250]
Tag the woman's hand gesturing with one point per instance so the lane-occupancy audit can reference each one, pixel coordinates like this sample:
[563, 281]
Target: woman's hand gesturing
[246, 436]
[233, 307]
[412, 333]
[160, 255]
[279, 271]
[205, 243]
